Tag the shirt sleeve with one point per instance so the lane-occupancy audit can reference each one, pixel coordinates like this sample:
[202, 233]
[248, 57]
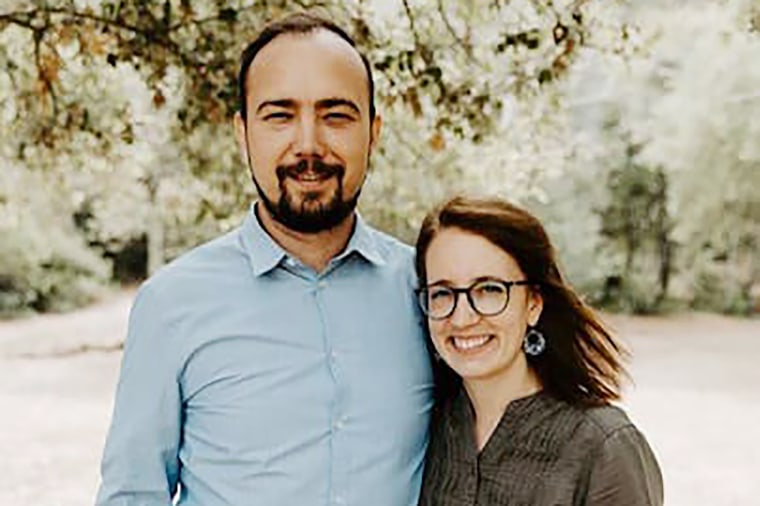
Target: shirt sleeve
[624, 472]
[140, 462]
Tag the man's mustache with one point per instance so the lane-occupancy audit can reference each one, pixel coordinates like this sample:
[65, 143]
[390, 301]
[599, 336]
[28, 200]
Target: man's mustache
[318, 167]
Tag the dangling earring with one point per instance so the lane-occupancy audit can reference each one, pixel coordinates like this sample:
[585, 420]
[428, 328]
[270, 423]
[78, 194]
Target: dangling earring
[534, 343]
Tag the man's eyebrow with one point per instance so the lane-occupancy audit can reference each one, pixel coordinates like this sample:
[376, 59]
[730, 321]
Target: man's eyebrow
[284, 103]
[329, 103]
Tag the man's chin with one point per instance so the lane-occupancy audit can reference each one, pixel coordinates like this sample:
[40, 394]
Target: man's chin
[310, 212]
[311, 216]
[313, 203]
[320, 186]
[313, 223]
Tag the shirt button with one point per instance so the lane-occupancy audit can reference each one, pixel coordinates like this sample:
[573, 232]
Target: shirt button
[339, 500]
[341, 423]
[322, 285]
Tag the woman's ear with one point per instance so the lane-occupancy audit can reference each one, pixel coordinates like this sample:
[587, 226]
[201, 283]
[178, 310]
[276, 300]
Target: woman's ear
[535, 306]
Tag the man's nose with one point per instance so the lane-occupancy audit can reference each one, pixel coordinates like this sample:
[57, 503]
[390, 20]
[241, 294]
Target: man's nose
[309, 140]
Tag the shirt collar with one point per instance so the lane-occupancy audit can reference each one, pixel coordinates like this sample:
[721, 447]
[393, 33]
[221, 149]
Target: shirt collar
[363, 242]
[518, 420]
[265, 254]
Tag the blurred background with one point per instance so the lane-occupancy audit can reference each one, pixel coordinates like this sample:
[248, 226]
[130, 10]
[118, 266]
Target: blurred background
[631, 127]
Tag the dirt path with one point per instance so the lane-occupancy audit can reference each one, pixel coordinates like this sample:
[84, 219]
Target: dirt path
[56, 393]
[697, 398]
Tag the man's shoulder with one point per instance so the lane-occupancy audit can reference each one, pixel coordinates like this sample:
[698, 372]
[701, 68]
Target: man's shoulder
[215, 260]
[391, 248]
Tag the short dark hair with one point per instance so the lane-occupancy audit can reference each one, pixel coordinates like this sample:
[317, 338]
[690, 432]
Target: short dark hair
[582, 363]
[300, 23]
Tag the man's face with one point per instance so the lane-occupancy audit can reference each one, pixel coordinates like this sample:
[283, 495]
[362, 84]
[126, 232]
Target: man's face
[308, 134]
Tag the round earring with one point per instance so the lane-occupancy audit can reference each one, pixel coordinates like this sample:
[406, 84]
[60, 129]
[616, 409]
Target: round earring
[534, 343]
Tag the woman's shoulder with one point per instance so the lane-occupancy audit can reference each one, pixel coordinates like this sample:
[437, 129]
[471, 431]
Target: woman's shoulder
[591, 429]
[606, 428]
[606, 420]
[621, 467]
[597, 422]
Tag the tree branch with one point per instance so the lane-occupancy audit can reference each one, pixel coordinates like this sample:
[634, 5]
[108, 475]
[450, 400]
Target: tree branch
[447, 23]
[402, 139]
[412, 25]
[38, 35]
[11, 18]
[211, 19]
[157, 37]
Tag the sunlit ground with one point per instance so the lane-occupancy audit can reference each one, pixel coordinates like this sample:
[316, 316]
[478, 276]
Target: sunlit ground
[697, 398]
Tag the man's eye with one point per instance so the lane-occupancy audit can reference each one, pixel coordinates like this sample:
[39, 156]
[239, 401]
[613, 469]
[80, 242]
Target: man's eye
[278, 116]
[338, 116]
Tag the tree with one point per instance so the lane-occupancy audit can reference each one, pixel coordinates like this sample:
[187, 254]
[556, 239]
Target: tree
[682, 88]
[126, 103]
[611, 119]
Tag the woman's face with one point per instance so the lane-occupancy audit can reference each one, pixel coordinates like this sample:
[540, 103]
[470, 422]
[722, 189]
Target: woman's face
[478, 347]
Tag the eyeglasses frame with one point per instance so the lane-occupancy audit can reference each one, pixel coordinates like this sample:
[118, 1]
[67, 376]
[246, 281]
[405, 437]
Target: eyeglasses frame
[467, 291]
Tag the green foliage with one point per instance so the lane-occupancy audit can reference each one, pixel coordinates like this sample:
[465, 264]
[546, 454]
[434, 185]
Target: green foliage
[44, 264]
[433, 60]
[125, 105]
[672, 91]
[715, 290]
[635, 228]
[115, 128]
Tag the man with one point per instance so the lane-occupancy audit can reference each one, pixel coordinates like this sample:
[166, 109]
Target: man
[283, 363]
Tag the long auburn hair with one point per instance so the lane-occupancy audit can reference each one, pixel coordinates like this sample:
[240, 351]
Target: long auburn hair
[582, 362]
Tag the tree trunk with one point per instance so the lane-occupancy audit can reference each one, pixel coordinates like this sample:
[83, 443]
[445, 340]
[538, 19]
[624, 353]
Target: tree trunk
[155, 229]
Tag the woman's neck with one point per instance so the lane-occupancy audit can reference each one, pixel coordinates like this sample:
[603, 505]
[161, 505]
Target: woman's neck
[491, 396]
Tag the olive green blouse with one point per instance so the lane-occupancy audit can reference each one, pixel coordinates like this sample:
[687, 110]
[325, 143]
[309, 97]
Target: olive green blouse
[543, 452]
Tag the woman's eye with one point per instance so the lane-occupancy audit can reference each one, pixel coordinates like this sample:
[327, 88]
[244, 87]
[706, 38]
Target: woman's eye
[439, 294]
[490, 288]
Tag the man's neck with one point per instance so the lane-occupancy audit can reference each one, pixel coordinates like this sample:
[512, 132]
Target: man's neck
[313, 250]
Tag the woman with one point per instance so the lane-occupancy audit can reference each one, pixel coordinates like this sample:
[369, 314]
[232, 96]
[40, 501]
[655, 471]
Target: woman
[525, 372]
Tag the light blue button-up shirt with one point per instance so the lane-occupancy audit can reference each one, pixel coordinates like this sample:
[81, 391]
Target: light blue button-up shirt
[250, 379]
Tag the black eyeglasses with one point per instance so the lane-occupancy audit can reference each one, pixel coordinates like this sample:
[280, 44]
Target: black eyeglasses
[487, 297]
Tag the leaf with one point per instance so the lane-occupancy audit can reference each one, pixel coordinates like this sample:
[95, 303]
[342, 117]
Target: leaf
[158, 99]
[93, 42]
[50, 67]
[412, 99]
[66, 34]
[437, 142]
[228, 14]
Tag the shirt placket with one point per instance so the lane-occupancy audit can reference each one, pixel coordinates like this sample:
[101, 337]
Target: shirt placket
[337, 472]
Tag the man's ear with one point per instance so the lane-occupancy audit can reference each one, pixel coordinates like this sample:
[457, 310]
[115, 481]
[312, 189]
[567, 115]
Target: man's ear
[374, 131]
[240, 136]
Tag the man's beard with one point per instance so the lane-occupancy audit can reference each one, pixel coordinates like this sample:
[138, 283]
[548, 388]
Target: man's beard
[309, 216]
